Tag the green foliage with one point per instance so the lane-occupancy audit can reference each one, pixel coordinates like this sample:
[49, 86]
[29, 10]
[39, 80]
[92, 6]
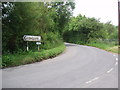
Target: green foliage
[51, 40]
[63, 11]
[0, 61]
[84, 30]
[30, 57]
[19, 22]
[33, 18]
[91, 32]
[108, 47]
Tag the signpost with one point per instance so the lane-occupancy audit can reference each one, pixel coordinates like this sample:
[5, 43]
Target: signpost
[31, 38]
[38, 43]
[36, 39]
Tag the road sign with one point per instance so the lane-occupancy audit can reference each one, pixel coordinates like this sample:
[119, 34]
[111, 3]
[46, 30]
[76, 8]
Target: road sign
[38, 43]
[31, 38]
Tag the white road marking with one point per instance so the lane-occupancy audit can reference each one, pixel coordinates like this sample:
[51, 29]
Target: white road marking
[116, 63]
[116, 59]
[95, 78]
[88, 82]
[114, 55]
[109, 70]
[92, 80]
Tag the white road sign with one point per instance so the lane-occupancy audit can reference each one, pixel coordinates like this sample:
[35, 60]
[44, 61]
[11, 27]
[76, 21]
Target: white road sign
[31, 38]
[38, 43]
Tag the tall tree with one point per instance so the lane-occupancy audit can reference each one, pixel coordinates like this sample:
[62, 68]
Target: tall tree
[18, 20]
[64, 11]
[34, 18]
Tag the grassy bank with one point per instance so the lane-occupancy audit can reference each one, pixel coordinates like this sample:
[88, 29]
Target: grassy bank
[30, 57]
[107, 47]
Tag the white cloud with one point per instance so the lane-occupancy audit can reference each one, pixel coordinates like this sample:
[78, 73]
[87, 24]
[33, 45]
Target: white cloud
[107, 10]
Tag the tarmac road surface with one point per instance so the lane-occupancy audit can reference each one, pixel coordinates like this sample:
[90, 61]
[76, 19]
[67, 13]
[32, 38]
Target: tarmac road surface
[78, 67]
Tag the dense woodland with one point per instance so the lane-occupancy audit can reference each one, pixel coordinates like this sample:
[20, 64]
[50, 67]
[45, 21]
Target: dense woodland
[83, 30]
[54, 22]
[34, 18]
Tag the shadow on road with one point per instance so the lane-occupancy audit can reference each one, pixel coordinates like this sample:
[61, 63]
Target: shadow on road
[69, 45]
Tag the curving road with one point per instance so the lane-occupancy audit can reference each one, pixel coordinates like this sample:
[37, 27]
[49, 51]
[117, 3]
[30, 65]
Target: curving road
[78, 67]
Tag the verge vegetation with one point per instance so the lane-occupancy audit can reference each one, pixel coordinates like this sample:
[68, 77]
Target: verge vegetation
[30, 57]
[90, 31]
[55, 24]
[45, 19]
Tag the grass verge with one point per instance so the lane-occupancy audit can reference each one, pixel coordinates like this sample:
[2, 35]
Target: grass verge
[30, 57]
[109, 48]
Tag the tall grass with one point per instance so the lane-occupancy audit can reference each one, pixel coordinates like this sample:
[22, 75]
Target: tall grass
[111, 46]
[10, 60]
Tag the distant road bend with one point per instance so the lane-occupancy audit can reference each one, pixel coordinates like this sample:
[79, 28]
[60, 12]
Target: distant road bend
[78, 67]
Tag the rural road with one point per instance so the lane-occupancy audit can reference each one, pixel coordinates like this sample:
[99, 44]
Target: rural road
[78, 67]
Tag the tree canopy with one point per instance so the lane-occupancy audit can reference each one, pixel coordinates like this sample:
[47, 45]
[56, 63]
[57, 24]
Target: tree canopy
[34, 18]
[84, 30]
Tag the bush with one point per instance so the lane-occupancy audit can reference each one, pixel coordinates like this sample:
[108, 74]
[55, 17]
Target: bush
[30, 57]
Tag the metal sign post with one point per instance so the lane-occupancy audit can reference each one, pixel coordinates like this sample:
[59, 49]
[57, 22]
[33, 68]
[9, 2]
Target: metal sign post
[27, 47]
[38, 43]
[38, 48]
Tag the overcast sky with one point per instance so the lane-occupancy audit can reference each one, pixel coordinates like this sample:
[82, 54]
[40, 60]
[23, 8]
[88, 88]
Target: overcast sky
[106, 10]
